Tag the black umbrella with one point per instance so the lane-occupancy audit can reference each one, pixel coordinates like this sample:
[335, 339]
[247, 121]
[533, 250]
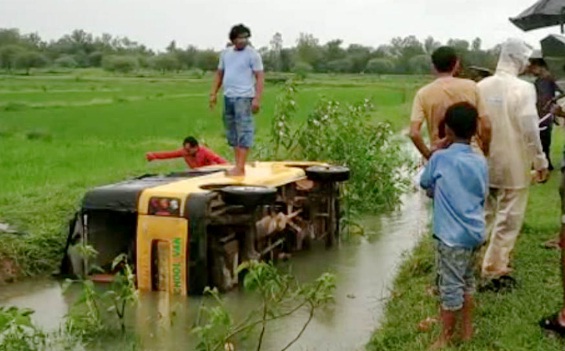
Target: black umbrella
[553, 47]
[544, 13]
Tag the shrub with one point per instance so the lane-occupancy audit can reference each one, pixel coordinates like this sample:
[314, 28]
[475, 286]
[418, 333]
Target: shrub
[343, 134]
[120, 64]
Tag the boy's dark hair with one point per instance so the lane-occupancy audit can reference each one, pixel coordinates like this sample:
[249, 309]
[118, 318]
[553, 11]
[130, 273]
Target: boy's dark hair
[238, 30]
[444, 59]
[462, 119]
[538, 62]
[190, 141]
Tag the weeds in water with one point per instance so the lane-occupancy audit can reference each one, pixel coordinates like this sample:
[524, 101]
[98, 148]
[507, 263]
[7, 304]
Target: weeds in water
[18, 333]
[122, 292]
[86, 317]
[281, 296]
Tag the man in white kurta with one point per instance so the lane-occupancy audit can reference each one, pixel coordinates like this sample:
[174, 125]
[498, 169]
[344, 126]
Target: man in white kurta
[515, 147]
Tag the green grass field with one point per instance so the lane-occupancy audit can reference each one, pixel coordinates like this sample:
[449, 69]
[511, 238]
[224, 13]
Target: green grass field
[62, 134]
[506, 321]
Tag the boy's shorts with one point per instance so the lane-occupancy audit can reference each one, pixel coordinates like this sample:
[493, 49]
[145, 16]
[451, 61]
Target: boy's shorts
[456, 277]
[238, 121]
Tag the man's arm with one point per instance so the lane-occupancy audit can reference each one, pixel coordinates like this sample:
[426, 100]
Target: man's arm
[484, 127]
[214, 158]
[259, 86]
[216, 85]
[164, 155]
[557, 110]
[427, 180]
[557, 88]
[485, 134]
[528, 124]
[417, 120]
[257, 67]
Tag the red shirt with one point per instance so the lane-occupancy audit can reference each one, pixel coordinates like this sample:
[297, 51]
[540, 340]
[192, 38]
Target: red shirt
[203, 157]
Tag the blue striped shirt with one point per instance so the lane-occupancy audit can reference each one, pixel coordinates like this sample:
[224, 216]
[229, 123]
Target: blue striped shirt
[457, 179]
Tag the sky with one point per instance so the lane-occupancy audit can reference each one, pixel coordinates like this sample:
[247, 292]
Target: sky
[205, 23]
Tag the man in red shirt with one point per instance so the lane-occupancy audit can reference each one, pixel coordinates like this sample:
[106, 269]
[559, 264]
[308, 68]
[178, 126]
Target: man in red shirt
[194, 155]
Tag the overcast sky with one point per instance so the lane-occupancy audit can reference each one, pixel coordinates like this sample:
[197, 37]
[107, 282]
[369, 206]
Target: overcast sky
[205, 23]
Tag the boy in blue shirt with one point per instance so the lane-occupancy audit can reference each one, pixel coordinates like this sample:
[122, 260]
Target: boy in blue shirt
[457, 179]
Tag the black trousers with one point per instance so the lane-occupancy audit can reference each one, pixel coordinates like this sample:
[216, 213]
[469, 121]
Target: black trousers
[545, 136]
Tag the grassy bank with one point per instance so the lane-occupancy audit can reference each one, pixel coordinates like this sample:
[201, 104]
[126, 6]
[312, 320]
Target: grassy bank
[63, 134]
[502, 321]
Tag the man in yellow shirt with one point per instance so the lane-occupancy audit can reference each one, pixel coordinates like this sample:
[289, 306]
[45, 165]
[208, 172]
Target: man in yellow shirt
[432, 101]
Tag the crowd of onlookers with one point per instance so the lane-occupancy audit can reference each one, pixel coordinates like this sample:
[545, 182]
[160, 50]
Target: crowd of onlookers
[490, 138]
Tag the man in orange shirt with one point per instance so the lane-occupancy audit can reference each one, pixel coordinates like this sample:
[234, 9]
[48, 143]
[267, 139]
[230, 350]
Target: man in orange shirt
[194, 155]
[432, 101]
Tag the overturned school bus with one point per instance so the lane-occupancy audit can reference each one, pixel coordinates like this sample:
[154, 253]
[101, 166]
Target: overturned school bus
[189, 230]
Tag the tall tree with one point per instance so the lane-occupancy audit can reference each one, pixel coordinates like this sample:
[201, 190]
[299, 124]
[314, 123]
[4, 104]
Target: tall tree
[308, 50]
[430, 45]
[276, 44]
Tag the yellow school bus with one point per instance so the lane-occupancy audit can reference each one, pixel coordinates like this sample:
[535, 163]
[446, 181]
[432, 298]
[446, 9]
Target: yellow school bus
[186, 231]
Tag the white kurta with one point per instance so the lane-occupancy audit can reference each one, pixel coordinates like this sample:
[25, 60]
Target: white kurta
[510, 104]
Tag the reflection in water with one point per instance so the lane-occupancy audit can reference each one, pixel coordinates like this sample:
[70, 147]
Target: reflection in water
[364, 270]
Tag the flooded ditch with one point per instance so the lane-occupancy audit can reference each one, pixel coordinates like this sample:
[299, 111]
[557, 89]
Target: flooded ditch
[365, 270]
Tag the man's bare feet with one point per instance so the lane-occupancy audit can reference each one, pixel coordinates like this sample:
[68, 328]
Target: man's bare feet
[440, 344]
[467, 318]
[467, 333]
[426, 324]
[554, 243]
[235, 172]
[448, 319]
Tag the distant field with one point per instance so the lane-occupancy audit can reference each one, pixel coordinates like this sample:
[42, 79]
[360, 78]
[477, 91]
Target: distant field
[62, 134]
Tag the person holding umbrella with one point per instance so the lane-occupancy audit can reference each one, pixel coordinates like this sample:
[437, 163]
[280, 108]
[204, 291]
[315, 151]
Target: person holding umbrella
[546, 89]
[556, 322]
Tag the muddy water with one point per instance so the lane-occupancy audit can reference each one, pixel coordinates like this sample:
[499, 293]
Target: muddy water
[364, 271]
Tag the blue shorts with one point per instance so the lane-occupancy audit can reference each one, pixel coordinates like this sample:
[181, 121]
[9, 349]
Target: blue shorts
[238, 121]
[455, 268]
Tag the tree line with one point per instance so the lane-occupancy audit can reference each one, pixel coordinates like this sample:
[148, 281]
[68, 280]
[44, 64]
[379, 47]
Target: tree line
[81, 49]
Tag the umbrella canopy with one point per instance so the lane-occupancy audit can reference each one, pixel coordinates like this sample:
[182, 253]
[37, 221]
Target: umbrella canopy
[553, 47]
[544, 13]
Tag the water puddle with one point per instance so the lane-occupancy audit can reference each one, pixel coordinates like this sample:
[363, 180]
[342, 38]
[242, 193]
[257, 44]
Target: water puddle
[365, 271]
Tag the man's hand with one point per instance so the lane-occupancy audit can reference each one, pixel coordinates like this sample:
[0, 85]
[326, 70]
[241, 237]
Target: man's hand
[213, 101]
[557, 110]
[542, 175]
[149, 156]
[440, 144]
[255, 105]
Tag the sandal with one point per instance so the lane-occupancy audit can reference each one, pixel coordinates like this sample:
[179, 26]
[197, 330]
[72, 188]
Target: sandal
[551, 323]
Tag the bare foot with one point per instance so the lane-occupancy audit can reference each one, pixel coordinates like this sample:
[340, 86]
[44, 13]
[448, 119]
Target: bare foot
[467, 333]
[426, 324]
[553, 244]
[440, 344]
[235, 172]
